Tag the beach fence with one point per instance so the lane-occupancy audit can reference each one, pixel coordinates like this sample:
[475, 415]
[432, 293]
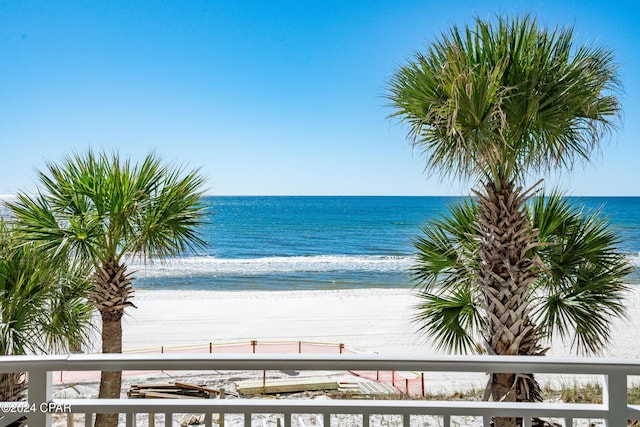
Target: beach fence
[258, 347]
[411, 384]
[406, 383]
[241, 347]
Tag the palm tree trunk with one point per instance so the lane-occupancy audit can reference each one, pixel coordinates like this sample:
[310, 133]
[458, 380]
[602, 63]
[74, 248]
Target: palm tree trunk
[110, 381]
[506, 274]
[111, 296]
[13, 387]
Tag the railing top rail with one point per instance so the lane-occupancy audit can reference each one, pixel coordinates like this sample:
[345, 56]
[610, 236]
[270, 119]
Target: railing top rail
[191, 362]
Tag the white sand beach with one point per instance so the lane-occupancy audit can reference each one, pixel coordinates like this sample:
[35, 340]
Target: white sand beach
[372, 320]
[375, 320]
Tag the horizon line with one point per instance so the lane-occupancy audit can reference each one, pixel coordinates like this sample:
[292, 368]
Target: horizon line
[7, 196]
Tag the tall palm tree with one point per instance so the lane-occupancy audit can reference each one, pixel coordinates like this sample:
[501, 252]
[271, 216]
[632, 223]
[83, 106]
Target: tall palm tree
[43, 307]
[498, 102]
[104, 210]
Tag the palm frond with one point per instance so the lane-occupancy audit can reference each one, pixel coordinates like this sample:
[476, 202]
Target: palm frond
[453, 319]
[98, 206]
[35, 293]
[446, 250]
[504, 98]
[444, 273]
[583, 287]
[580, 290]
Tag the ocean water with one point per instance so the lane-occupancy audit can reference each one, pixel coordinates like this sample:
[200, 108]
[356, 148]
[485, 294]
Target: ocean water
[284, 243]
[287, 243]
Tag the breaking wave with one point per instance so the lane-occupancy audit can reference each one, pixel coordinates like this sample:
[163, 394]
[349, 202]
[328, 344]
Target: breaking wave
[212, 266]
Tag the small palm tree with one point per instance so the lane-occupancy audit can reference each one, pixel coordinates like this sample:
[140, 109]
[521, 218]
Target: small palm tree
[100, 209]
[43, 307]
[496, 103]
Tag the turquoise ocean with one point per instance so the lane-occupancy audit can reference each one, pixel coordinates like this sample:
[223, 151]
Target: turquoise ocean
[324, 242]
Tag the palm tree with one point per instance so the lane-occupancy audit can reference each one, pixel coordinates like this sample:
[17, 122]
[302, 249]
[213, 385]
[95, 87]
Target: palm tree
[497, 103]
[103, 210]
[43, 307]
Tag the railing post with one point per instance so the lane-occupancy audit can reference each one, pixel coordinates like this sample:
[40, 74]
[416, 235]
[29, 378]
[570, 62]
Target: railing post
[130, 420]
[40, 383]
[221, 414]
[326, 419]
[614, 396]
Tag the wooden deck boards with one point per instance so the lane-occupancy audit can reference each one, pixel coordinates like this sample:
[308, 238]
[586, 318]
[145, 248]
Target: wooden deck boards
[286, 385]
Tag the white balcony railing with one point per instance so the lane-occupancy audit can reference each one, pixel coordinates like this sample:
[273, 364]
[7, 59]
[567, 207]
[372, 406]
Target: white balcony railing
[614, 410]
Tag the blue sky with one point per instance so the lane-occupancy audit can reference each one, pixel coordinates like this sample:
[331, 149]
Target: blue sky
[268, 98]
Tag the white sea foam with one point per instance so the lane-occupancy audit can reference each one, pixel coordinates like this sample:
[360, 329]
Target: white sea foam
[206, 265]
[212, 266]
[634, 259]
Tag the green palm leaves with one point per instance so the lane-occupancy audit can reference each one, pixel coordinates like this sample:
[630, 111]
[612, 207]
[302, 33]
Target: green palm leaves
[579, 290]
[446, 271]
[42, 304]
[99, 206]
[500, 100]
[582, 288]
